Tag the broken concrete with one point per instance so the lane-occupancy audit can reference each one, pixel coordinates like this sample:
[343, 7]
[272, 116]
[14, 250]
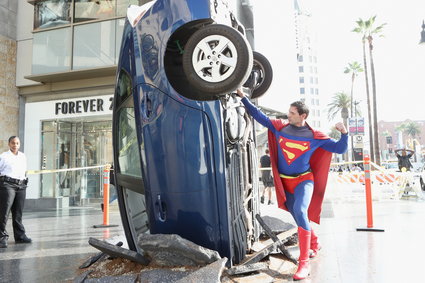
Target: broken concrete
[170, 251]
[207, 274]
[163, 275]
[173, 250]
[275, 239]
[132, 278]
[276, 225]
[247, 268]
[259, 255]
[98, 257]
[116, 251]
[80, 278]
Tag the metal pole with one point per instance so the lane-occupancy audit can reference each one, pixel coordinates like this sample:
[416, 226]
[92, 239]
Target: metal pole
[368, 184]
[106, 196]
[106, 173]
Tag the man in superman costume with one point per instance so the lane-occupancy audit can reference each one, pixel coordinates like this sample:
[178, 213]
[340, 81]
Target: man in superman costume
[300, 158]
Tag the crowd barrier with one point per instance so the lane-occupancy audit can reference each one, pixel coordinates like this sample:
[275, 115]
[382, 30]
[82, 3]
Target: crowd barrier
[395, 183]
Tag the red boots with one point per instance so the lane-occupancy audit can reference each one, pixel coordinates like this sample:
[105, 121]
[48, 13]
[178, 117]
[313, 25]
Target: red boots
[304, 238]
[314, 245]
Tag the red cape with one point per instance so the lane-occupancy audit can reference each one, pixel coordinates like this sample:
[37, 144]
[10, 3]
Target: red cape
[320, 162]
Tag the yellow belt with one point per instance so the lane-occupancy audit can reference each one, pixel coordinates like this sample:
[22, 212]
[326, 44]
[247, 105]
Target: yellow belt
[293, 177]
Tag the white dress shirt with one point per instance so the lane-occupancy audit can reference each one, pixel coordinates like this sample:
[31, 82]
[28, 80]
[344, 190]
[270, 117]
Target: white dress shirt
[13, 166]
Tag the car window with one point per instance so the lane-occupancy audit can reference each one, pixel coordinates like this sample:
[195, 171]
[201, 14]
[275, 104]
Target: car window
[128, 151]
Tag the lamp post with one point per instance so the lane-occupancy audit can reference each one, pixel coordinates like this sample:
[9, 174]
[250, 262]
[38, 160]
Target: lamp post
[355, 103]
[422, 33]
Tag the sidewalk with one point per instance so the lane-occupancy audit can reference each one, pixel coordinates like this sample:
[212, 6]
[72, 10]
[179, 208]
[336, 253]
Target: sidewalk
[392, 256]
[60, 243]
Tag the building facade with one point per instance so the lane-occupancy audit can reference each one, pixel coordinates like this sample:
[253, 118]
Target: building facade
[392, 138]
[66, 57]
[308, 76]
[9, 98]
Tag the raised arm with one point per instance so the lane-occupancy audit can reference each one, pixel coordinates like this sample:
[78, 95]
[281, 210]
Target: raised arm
[256, 113]
[410, 152]
[338, 146]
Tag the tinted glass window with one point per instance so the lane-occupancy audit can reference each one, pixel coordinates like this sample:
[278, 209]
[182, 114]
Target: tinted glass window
[124, 86]
[88, 10]
[127, 144]
[52, 51]
[51, 13]
[128, 150]
[94, 45]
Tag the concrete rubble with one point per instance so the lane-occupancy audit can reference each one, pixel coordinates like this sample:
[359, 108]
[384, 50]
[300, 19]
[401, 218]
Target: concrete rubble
[116, 251]
[173, 250]
[171, 258]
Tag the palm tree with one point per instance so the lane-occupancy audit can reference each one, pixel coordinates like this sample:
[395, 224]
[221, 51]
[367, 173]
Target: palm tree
[340, 103]
[335, 134]
[374, 31]
[362, 28]
[412, 129]
[357, 110]
[354, 69]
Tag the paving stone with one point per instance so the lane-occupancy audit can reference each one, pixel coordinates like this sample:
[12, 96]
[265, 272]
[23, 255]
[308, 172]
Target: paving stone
[279, 264]
[173, 250]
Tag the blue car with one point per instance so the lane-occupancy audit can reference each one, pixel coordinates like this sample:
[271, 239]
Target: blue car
[184, 149]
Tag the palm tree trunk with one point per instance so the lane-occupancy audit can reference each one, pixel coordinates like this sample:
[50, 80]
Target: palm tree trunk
[375, 109]
[369, 115]
[344, 116]
[352, 115]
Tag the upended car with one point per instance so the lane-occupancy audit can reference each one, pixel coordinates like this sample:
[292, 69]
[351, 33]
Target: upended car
[184, 149]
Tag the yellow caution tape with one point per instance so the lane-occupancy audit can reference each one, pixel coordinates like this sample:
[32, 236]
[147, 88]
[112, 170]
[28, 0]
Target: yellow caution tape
[30, 172]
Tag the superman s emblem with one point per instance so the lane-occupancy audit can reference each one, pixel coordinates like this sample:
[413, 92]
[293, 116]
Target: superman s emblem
[293, 149]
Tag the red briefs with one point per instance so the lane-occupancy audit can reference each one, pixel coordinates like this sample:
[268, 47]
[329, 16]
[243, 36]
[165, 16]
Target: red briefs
[290, 182]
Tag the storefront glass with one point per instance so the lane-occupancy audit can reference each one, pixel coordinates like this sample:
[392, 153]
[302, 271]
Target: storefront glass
[75, 144]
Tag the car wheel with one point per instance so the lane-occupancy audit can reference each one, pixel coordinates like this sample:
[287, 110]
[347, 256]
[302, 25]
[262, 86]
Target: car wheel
[261, 76]
[217, 59]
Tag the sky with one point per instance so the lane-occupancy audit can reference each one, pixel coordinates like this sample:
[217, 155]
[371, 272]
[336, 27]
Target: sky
[398, 58]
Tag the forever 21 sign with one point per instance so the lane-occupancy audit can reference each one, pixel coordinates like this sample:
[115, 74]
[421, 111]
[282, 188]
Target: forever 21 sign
[82, 106]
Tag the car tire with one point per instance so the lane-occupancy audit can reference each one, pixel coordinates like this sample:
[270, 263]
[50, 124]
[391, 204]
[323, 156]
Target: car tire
[261, 76]
[217, 72]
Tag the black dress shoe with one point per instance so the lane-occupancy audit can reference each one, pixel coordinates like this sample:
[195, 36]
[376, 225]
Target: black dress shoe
[3, 243]
[24, 240]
